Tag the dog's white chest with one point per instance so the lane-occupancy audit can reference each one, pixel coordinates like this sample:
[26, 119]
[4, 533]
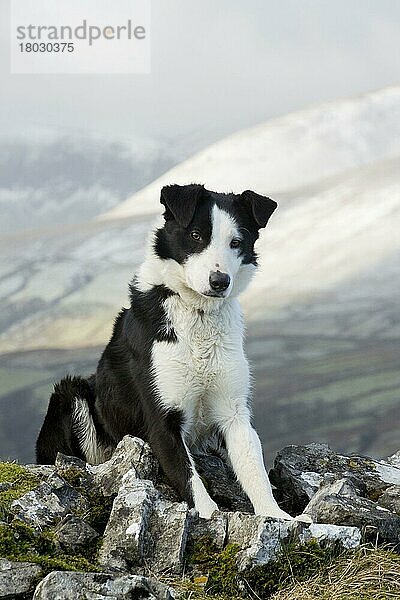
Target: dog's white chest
[189, 372]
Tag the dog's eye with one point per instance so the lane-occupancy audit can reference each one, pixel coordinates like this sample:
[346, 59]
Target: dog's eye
[196, 236]
[235, 243]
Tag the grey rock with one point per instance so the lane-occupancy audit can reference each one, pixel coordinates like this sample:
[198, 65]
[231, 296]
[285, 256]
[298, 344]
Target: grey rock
[144, 530]
[337, 503]
[73, 534]
[5, 485]
[167, 537]
[331, 535]
[39, 508]
[41, 471]
[47, 503]
[221, 482]
[390, 499]
[394, 459]
[215, 528]
[132, 453]
[18, 579]
[124, 540]
[67, 494]
[61, 585]
[299, 470]
[260, 538]
[75, 468]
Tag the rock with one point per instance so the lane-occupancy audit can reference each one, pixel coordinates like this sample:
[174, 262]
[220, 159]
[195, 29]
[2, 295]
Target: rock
[299, 470]
[61, 585]
[17, 579]
[260, 538]
[167, 537]
[39, 508]
[390, 499]
[40, 471]
[331, 535]
[75, 471]
[337, 503]
[214, 529]
[144, 529]
[124, 541]
[131, 453]
[48, 502]
[6, 485]
[69, 497]
[394, 459]
[221, 482]
[73, 534]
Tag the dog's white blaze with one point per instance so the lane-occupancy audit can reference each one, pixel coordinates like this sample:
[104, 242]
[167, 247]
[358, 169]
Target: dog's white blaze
[218, 256]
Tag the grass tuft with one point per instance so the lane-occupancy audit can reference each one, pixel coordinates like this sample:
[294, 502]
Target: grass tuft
[365, 574]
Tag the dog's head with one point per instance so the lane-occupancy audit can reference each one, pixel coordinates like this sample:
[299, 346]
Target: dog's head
[211, 237]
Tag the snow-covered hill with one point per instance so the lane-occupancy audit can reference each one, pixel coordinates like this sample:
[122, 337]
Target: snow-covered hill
[289, 152]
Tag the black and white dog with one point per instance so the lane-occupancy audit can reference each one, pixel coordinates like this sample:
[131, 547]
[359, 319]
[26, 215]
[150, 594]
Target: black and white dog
[174, 371]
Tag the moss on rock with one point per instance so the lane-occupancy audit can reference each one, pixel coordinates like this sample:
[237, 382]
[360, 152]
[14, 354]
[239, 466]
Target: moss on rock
[19, 542]
[223, 580]
[21, 481]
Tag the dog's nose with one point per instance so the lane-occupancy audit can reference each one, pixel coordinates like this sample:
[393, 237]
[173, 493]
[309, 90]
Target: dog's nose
[219, 282]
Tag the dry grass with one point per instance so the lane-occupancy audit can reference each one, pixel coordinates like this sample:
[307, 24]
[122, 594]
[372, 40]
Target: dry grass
[365, 575]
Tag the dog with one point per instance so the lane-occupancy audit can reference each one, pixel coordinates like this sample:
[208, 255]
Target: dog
[174, 371]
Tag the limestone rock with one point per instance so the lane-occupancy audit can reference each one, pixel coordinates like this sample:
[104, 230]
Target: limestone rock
[144, 529]
[167, 537]
[394, 459]
[131, 453]
[337, 503]
[299, 470]
[61, 585]
[390, 499]
[41, 471]
[50, 501]
[331, 535]
[17, 579]
[215, 528]
[73, 534]
[75, 470]
[124, 541]
[260, 538]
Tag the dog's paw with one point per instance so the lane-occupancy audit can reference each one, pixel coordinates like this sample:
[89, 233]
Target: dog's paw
[275, 513]
[303, 518]
[207, 508]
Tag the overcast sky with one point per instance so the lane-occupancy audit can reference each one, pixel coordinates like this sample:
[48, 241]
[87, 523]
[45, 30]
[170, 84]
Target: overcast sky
[217, 66]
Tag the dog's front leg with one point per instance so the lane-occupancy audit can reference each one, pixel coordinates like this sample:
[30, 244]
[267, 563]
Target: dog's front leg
[245, 452]
[168, 444]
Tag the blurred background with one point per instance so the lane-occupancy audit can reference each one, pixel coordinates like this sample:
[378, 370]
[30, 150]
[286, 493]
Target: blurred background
[296, 100]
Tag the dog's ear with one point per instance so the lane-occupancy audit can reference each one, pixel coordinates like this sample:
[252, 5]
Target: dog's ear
[261, 207]
[180, 201]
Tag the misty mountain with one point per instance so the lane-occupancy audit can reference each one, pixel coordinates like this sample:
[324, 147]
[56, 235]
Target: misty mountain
[64, 179]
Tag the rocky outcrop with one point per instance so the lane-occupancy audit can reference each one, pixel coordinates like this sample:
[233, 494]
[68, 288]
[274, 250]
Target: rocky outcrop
[332, 488]
[17, 579]
[121, 522]
[70, 586]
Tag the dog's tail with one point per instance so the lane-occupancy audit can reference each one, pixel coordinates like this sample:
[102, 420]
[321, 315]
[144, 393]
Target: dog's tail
[69, 426]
